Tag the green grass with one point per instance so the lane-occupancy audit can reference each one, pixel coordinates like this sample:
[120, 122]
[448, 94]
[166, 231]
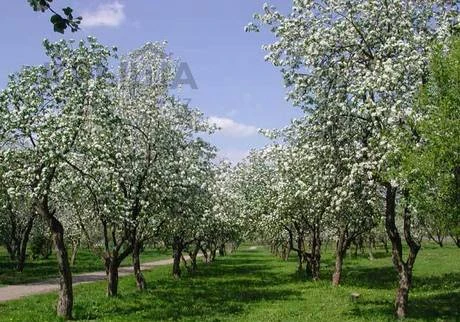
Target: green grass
[41, 269]
[251, 285]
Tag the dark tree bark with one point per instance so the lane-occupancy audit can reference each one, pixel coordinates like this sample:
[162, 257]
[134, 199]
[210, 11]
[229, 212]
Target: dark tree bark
[111, 269]
[23, 244]
[213, 251]
[11, 240]
[286, 251]
[141, 284]
[456, 239]
[222, 251]
[65, 301]
[343, 243]
[299, 249]
[113, 261]
[404, 268]
[315, 256]
[177, 255]
[11, 252]
[205, 254]
[193, 255]
[300, 252]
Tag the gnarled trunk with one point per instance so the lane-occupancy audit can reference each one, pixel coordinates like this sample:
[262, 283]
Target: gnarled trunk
[65, 301]
[404, 268]
[23, 244]
[140, 280]
[111, 269]
[177, 255]
[402, 295]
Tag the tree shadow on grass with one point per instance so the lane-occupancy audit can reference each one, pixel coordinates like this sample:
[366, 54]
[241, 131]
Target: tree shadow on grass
[439, 307]
[444, 304]
[44, 269]
[370, 277]
[387, 278]
[224, 288]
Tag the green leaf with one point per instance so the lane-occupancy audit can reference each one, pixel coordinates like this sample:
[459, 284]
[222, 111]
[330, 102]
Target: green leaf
[67, 11]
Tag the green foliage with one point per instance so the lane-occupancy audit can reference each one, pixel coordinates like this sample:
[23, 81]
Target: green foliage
[432, 164]
[60, 21]
[41, 246]
[251, 285]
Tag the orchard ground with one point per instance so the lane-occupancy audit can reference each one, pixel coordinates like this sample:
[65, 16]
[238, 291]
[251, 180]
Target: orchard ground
[252, 285]
[42, 269]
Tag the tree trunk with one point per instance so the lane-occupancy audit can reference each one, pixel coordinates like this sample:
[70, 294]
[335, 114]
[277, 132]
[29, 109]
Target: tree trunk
[456, 240]
[193, 254]
[404, 268]
[213, 253]
[140, 280]
[300, 253]
[355, 253]
[315, 260]
[11, 252]
[111, 269]
[73, 257]
[336, 277]
[371, 254]
[177, 255]
[402, 295]
[340, 251]
[65, 301]
[205, 254]
[222, 250]
[441, 242]
[23, 244]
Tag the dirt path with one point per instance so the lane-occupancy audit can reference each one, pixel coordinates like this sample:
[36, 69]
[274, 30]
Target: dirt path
[14, 292]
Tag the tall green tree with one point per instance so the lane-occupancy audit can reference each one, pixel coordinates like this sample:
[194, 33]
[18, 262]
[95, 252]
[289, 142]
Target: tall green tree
[431, 165]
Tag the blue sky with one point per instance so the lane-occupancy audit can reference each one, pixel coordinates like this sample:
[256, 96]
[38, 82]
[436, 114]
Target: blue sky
[236, 87]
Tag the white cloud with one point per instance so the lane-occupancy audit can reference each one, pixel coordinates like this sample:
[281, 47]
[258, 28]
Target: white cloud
[229, 127]
[106, 15]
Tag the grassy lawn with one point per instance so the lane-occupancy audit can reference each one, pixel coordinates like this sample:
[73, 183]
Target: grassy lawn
[38, 270]
[251, 285]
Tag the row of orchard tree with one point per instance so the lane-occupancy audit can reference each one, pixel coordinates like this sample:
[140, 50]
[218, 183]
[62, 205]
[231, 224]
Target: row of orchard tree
[379, 143]
[110, 158]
